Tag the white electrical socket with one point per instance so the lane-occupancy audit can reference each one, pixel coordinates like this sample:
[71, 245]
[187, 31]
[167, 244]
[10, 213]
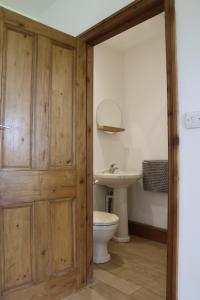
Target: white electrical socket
[192, 120]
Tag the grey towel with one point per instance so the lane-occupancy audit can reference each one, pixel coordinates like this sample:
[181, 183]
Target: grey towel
[155, 175]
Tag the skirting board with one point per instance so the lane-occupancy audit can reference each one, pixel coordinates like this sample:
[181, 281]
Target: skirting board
[148, 232]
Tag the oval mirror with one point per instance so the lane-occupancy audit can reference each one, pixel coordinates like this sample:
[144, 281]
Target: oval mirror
[109, 114]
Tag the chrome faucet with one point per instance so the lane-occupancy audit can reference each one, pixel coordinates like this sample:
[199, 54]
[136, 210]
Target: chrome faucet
[113, 168]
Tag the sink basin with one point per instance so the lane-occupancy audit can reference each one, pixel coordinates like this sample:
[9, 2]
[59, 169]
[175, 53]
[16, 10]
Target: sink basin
[117, 179]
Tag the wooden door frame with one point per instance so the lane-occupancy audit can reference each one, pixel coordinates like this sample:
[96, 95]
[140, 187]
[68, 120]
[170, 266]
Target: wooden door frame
[134, 14]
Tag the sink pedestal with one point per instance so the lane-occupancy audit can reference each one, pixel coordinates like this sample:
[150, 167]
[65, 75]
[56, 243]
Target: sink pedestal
[120, 208]
[119, 182]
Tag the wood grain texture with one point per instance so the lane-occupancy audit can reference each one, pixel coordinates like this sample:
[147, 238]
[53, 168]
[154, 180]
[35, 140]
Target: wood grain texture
[1, 252]
[120, 284]
[42, 228]
[109, 128]
[61, 222]
[148, 232]
[42, 184]
[173, 134]
[81, 162]
[17, 243]
[110, 292]
[53, 289]
[85, 294]
[56, 184]
[137, 271]
[55, 253]
[18, 68]
[89, 157]
[19, 187]
[61, 132]
[41, 107]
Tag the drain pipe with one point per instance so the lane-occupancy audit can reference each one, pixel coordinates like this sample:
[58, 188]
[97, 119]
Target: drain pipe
[109, 201]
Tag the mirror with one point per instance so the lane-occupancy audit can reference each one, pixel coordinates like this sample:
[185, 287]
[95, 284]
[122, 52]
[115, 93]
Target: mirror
[109, 114]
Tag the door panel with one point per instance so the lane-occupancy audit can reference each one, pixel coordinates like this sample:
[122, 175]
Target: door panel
[56, 184]
[42, 255]
[19, 51]
[41, 133]
[17, 187]
[61, 226]
[42, 165]
[55, 252]
[61, 136]
[17, 243]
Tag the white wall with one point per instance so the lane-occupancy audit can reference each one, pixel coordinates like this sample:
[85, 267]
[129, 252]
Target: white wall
[188, 48]
[136, 80]
[108, 84]
[146, 124]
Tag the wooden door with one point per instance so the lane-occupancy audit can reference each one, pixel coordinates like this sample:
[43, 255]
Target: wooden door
[42, 161]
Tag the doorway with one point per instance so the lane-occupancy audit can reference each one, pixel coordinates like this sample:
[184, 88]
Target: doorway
[130, 98]
[132, 15]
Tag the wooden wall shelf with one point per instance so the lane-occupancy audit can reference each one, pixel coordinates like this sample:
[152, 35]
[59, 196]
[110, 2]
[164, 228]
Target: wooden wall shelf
[110, 128]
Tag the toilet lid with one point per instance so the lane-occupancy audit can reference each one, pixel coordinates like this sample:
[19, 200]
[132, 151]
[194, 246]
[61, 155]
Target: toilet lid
[103, 218]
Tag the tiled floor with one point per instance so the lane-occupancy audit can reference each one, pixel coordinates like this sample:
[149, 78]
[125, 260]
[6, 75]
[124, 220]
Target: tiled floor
[137, 271]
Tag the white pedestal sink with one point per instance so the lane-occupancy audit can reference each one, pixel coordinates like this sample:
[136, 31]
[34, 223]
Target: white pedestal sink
[119, 181]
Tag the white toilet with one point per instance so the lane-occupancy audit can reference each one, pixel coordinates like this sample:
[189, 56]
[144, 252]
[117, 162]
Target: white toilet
[104, 227]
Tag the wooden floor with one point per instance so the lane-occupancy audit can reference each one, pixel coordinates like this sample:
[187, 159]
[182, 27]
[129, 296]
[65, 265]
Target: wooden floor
[137, 271]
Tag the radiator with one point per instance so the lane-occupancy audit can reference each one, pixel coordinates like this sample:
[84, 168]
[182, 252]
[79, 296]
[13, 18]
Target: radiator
[155, 175]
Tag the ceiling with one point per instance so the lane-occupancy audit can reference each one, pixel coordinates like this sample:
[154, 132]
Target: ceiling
[69, 16]
[32, 8]
[147, 30]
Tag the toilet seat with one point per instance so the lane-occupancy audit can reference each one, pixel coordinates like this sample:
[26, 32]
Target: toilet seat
[104, 219]
[104, 227]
